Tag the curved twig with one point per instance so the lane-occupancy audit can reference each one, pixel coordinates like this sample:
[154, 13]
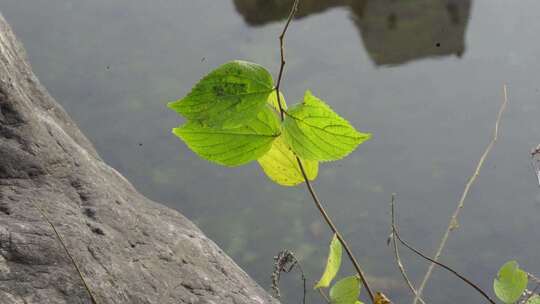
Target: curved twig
[461, 203]
[397, 256]
[434, 262]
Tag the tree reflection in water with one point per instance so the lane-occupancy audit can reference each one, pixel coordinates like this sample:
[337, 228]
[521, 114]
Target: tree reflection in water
[393, 32]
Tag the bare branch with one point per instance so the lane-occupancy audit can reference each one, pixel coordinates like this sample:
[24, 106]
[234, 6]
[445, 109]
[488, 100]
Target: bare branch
[397, 256]
[461, 203]
[533, 277]
[434, 262]
[294, 9]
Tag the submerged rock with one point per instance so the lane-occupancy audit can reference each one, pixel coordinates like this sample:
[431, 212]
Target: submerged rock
[53, 184]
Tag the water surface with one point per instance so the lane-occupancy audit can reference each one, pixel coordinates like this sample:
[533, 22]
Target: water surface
[425, 77]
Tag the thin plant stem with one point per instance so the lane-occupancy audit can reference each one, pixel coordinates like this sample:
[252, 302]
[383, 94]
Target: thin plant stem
[461, 203]
[325, 297]
[316, 200]
[434, 262]
[68, 253]
[533, 277]
[304, 282]
[334, 229]
[398, 257]
[535, 169]
[294, 9]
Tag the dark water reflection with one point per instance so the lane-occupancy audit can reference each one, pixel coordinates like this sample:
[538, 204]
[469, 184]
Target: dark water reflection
[393, 32]
[114, 65]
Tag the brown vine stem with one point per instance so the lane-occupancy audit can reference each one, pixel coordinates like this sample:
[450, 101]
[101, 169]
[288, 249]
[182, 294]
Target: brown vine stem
[316, 200]
[334, 229]
[461, 203]
[396, 253]
[294, 9]
[434, 262]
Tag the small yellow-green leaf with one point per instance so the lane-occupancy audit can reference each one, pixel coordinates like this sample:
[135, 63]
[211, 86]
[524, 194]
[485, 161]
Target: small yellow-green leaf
[232, 146]
[229, 96]
[315, 132]
[281, 166]
[345, 291]
[510, 283]
[332, 264]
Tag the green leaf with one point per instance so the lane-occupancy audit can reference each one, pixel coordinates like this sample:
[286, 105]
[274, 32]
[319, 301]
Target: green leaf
[510, 283]
[229, 96]
[534, 300]
[345, 291]
[272, 100]
[315, 132]
[332, 264]
[232, 146]
[281, 166]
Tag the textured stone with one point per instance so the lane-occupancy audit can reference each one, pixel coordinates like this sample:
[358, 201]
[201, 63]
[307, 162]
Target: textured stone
[128, 248]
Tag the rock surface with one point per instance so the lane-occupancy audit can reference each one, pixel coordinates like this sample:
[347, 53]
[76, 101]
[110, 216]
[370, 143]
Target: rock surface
[128, 248]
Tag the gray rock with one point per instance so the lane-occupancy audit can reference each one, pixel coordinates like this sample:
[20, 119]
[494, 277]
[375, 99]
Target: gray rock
[128, 248]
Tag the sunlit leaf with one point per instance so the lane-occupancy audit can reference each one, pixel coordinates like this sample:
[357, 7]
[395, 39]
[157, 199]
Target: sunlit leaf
[510, 283]
[272, 100]
[332, 264]
[232, 146]
[229, 96]
[315, 132]
[281, 166]
[345, 291]
[280, 163]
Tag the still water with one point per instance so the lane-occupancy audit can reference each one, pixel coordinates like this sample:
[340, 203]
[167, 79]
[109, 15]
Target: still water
[424, 76]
